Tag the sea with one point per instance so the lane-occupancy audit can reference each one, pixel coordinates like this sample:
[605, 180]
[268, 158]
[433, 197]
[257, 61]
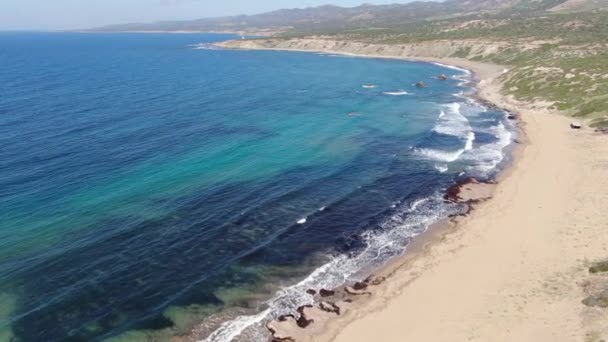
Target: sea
[153, 186]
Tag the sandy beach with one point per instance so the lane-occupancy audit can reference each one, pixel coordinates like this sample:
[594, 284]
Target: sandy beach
[517, 267]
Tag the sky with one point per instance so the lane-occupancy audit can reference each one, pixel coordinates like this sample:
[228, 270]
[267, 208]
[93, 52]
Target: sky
[82, 14]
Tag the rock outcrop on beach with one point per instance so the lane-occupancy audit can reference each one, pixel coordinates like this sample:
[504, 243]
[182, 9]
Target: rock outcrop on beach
[469, 190]
[310, 320]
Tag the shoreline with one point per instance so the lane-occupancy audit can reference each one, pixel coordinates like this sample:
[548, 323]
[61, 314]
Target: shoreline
[374, 318]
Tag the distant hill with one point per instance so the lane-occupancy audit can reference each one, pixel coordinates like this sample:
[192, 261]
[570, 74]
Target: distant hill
[580, 5]
[334, 18]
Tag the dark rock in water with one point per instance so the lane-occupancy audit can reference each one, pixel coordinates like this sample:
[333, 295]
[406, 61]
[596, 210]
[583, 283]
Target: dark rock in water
[303, 321]
[350, 244]
[576, 125]
[453, 192]
[311, 292]
[301, 308]
[512, 117]
[360, 286]
[421, 84]
[283, 318]
[330, 307]
[326, 293]
[442, 77]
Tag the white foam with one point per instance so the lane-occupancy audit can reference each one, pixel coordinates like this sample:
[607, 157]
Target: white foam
[396, 231]
[466, 72]
[486, 158]
[391, 240]
[229, 330]
[327, 54]
[286, 300]
[469, 141]
[302, 221]
[396, 93]
[439, 155]
[322, 208]
[205, 46]
[452, 122]
[443, 168]
[369, 86]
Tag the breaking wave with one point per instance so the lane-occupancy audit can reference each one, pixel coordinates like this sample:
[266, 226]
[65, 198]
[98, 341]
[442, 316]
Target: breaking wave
[388, 241]
[396, 93]
[439, 155]
[452, 122]
[393, 233]
[486, 158]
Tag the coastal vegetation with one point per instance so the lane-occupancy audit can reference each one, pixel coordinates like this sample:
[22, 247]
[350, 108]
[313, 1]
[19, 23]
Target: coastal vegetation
[557, 59]
[556, 50]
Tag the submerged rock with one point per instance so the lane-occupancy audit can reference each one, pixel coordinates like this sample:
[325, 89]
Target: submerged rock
[284, 318]
[326, 293]
[360, 286]
[442, 77]
[453, 192]
[421, 84]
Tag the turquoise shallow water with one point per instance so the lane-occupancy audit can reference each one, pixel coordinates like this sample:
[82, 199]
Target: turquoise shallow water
[147, 186]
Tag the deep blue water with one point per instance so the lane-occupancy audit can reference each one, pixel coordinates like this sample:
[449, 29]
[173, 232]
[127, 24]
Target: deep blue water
[147, 186]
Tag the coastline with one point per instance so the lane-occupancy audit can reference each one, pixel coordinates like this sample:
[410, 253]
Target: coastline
[516, 268]
[509, 266]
